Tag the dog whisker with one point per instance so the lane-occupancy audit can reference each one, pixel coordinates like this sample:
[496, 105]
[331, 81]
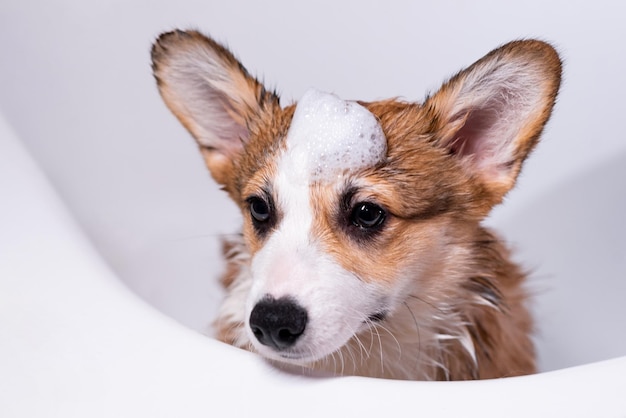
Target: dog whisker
[380, 345]
[362, 349]
[375, 335]
[417, 330]
[391, 334]
[432, 305]
[343, 364]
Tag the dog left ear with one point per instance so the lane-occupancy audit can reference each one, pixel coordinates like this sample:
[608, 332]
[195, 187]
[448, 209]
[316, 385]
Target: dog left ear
[490, 115]
[211, 94]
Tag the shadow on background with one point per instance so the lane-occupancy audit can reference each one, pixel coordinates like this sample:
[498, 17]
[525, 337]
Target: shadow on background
[576, 236]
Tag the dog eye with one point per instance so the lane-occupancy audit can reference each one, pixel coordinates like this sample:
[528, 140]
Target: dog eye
[259, 210]
[367, 215]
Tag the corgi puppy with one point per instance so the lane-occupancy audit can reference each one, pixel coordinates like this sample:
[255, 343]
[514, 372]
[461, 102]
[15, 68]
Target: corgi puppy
[362, 250]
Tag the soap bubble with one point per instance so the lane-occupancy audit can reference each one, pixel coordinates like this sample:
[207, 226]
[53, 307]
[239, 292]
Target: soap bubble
[338, 137]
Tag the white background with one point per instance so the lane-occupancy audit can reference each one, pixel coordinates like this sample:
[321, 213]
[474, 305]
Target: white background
[75, 84]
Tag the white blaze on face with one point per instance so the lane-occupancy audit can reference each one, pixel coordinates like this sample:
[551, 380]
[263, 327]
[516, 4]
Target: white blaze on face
[328, 139]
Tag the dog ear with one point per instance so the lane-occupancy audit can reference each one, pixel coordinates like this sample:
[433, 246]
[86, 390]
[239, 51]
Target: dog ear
[490, 115]
[210, 93]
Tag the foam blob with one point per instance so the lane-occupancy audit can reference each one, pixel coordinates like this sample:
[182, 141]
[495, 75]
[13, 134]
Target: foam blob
[330, 137]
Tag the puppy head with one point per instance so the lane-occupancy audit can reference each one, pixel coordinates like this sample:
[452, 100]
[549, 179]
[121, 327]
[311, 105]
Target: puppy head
[349, 207]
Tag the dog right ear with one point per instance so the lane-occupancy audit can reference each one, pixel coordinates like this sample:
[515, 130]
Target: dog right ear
[490, 116]
[211, 94]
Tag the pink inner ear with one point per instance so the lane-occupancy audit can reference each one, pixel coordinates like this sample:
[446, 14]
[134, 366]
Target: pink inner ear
[487, 135]
[473, 137]
[229, 128]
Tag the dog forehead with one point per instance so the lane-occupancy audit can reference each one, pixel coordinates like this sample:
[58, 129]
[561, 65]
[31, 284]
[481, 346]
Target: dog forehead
[330, 137]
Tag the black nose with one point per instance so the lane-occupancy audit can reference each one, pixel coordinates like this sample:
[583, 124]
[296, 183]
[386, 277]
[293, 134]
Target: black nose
[278, 323]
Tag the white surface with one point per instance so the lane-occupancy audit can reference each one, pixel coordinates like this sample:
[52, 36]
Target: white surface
[75, 84]
[76, 343]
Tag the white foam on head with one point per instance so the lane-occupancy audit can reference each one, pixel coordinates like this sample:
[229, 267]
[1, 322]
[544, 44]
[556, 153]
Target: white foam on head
[330, 137]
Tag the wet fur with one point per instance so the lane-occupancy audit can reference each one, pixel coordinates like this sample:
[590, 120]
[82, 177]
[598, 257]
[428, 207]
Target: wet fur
[466, 315]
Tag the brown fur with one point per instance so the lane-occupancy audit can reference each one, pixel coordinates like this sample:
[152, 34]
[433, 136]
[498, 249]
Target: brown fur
[436, 193]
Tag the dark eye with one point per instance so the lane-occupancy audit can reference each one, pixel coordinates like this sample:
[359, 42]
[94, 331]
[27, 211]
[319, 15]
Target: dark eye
[367, 215]
[259, 210]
